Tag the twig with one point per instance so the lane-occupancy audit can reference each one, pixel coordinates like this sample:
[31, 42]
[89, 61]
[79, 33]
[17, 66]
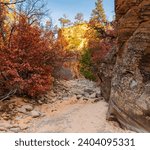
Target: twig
[8, 95]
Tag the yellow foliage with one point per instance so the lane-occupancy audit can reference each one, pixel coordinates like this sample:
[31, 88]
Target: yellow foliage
[75, 37]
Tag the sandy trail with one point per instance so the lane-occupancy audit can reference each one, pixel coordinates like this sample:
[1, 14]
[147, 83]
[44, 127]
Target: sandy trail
[75, 106]
[76, 118]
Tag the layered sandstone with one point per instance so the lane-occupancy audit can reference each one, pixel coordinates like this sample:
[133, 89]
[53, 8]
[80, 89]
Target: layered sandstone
[130, 86]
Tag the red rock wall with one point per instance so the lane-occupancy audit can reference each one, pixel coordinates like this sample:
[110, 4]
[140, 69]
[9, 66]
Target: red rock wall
[130, 87]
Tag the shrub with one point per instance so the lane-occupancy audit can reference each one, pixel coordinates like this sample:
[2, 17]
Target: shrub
[27, 62]
[86, 65]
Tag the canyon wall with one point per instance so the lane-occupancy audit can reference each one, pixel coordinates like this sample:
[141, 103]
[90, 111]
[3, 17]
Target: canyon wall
[130, 85]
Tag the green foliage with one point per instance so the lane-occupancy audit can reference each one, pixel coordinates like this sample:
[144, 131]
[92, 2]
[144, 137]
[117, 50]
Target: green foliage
[86, 65]
[98, 14]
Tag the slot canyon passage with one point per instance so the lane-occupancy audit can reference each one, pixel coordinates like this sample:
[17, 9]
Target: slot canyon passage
[120, 104]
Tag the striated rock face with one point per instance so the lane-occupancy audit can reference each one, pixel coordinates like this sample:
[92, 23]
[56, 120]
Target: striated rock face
[105, 73]
[130, 87]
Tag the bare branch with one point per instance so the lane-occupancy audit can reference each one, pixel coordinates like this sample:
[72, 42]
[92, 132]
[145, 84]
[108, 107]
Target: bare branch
[8, 95]
[12, 3]
[34, 10]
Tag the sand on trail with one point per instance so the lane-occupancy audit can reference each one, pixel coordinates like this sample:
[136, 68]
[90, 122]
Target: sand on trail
[64, 112]
[75, 117]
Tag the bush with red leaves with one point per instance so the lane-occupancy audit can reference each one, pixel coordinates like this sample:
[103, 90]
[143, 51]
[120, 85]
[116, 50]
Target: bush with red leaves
[28, 60]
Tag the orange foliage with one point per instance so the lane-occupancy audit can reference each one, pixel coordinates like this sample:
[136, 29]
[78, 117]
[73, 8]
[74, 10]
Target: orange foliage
[27, 62]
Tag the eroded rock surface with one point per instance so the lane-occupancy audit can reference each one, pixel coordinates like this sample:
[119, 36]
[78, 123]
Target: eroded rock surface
[105, 73]
[130, 89]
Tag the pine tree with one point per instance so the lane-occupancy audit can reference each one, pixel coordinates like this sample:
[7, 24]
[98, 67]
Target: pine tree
[98, 14]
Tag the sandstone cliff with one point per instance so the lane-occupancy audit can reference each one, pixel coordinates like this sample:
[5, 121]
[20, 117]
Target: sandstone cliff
[130, 86]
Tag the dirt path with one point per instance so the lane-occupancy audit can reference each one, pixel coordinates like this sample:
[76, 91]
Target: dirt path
[72, 106]
[74, 118]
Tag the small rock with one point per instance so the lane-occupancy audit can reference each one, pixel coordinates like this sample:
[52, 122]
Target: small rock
[40, 102]
[85, 98]
[18, 117]
[13, 126]
[65, 95]
[5, 124]
[73, 98]
[86, 94]
[22, 110]
[93, 95]
[24, 127]
[25, 100]
[52, 94]
[79, 96]
[77, 92]
[133, 84]
[35, 113]
[3, 129]
[28, 107]
[96, 100]
[101, 98]
[89, 91]
[53, 110]
[60, 98]
[5, 117]
[98, 95]
[11, 106]
[65, 98]
[15, 130]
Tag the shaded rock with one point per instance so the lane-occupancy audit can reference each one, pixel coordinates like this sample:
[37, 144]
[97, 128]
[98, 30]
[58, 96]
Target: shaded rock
[96, 100]
[85, 98]
[98, 95]
[89, 91]
[130, 99]
[86, 95]
[105, 73]
[79, 96]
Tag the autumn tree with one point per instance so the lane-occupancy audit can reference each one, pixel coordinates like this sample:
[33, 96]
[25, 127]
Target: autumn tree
[5, 20]
[98, 14]
[2, 19]
[34, 10]
[101, 40]
[64, 21]
[79, 18]
[28, 57]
